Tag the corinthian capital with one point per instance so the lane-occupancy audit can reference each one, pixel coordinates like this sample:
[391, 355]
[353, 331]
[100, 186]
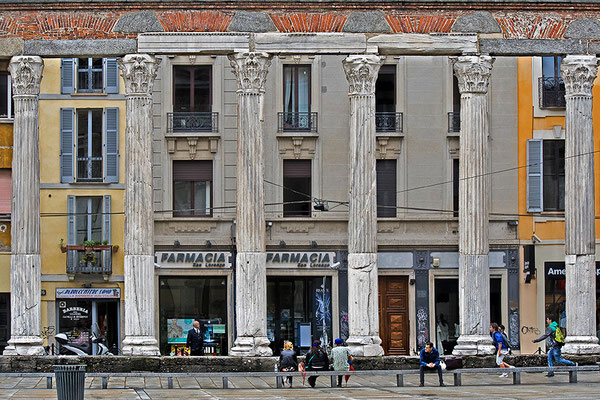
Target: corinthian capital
[26, 75]
[473, 73]
[361, 73]
[250, 69]
[578, 73]
[139, 72]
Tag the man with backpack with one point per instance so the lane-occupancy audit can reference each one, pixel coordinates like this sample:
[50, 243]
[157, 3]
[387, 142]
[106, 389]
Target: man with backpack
[555, 340]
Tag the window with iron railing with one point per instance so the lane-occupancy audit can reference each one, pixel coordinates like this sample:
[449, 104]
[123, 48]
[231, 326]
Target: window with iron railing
[551, 87]
[386, 117]
[297, 115]
[192, 100]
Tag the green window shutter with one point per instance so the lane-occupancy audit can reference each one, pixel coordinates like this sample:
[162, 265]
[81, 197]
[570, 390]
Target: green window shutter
[535, 178]
[67, 145]
[67, 75]
[111, 75]
[111, 137]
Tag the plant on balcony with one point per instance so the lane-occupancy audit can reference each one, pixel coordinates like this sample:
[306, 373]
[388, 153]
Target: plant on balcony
[89, 257]
[88, 246]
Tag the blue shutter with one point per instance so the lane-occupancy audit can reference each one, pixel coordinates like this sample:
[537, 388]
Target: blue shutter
[71, 233]
[535, 192]
[111, 135]
[106, 218]
[67, 75]
[67, 145]
[111, 75]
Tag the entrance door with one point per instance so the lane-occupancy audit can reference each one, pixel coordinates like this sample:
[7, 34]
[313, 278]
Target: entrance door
[393, 314]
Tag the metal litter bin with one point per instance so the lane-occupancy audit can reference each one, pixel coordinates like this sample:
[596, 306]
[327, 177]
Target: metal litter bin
[70, 381]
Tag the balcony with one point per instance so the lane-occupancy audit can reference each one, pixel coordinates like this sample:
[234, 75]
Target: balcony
[97, 260]
[389, 122]
[453, 122]
[551, 92]
[187, 122]
[89, 169]
[297, 122]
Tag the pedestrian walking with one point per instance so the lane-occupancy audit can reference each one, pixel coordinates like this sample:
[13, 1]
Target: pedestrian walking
[288, 361]
[554, 342]
[341, 359]
[501, 348]
[316, 360]
[430, 361]
[502, 331]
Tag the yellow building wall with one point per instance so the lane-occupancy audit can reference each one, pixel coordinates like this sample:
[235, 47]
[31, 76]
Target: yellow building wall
[6, 143]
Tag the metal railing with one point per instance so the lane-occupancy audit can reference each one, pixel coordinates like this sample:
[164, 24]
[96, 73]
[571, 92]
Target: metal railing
[93, 262]
[297, 122]
[178, 122]
[551, 92]
[89, 169]
[453, 122]
[389, 122]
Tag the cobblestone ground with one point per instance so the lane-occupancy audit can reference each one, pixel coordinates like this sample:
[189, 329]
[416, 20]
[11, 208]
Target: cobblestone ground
[475, 386]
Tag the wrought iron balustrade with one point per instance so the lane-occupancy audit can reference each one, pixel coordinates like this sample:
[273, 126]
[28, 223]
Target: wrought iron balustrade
[89, 169]
[453, 122]
[551, 92]
[297, 122]
[389, 122]
[178, 122]
[92, 262]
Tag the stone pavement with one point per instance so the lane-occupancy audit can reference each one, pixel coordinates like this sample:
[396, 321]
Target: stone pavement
[475, 386]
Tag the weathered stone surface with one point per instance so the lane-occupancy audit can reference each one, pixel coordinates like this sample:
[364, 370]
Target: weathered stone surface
[191, 42]
[477, 22]
[137, 22]
[247, 21]
[366, 22]
[311, 43]
[80, 47]
[583, 28]
[417, 43]
[11, 47]
[531, 47]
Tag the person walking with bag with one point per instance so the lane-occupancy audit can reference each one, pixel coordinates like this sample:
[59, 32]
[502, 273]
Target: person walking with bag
[288, 362]
[316, 360]
[341, 359]
[501, 348]
[554, 342]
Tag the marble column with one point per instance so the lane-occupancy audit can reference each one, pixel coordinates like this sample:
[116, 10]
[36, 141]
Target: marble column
[25, 261]
[363, 304]
[250, 70]
[578, 73]
[473, 73]
[139, 72]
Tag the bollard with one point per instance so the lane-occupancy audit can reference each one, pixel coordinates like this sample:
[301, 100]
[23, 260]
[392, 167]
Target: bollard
[333, 383]
[70, 381]
[573, 376]
[104, 382]
[225, 383]
[400, 380]
[48, 382]
[516, 378]
[457, 379]
[170, 382]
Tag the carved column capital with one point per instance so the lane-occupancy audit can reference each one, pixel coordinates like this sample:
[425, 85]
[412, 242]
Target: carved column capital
[361, 72]
[139, 72]
[473, 73]
[578, 73]
[250, 69]
[26, 75]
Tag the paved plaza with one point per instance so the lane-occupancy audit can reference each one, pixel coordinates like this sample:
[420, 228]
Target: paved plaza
[475, 386]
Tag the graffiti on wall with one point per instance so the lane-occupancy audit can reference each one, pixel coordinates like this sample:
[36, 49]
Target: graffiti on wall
[422, 328]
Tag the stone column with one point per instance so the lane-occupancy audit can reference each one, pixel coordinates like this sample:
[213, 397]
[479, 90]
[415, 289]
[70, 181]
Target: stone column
[578, 73]
[473, 73]
[250, 69]
[25, 261]
[139, 71]
[363, 304]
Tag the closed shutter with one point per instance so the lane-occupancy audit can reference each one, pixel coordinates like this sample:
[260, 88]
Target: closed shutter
[111, 135]
[71, 225]
[67, 145]
[192, 170]
[297, 168]
[535, 198]
[386, 188]
[67, 75]
[111, 75]
[106, 219]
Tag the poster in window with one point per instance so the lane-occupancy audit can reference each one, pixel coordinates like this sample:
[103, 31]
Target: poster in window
[177, 329]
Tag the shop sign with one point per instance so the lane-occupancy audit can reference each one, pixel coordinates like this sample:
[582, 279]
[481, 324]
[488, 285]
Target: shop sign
[556, 270]
[301, 259]
[96, 293]
[192, 259]
[75, 313]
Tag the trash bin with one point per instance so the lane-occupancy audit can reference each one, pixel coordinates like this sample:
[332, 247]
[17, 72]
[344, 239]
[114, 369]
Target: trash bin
[70, 381]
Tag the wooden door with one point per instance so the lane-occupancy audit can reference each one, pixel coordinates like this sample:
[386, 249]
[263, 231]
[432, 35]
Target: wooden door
[393, 314]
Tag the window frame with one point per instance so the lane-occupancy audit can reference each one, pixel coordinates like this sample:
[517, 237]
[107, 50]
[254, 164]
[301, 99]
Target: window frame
[296, 87]
[556, 175]
[88, 217]
[89, 72]
[286, 191]
[391, 208]
[193, 213]
[89, 151]
[9, 98]
[192, 68]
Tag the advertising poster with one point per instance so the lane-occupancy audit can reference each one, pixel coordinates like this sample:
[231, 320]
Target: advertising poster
[177, 329]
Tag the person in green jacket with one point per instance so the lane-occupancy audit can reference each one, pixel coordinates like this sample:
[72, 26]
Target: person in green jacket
[341, 357]
[554, 347]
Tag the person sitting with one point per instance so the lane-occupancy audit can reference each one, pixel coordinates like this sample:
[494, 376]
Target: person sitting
[288, 361]
[316, 360]
[430, 361]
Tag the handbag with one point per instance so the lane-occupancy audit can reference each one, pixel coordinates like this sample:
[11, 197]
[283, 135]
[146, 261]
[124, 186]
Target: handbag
[443, 365]
[454, 362]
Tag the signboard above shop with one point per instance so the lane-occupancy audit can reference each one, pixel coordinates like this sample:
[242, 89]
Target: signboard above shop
[89, 293]
[556, 269]
[301, 259]
[192, 259]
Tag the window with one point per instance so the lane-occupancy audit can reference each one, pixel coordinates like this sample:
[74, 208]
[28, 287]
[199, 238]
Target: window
[455, 185]
[385, 100]
[88, 219]
[545, 175]
[297, 196]
[192, 99]
[551, 85]
[296, 97]
[386, 188]
[454, 116]
[89, 75]
[192, 188]
[89, 141]
[6, 102]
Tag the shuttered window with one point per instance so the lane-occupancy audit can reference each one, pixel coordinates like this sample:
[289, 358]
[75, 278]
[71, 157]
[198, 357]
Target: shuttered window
[192, 188]
[535, 200]
[386, 188]
[89, 219]
[553, 169]
[297, 196]
[89, 75]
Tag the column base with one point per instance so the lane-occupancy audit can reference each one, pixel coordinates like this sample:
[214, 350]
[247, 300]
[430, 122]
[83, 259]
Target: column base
[250, 346]
[474, 345]
[581, 345]
[25, 346]
[140, 346]
[365, 346]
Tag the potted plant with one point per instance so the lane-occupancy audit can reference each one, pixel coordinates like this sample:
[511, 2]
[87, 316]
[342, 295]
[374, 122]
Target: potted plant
[89, 257]
[62, 246]
[115, 248]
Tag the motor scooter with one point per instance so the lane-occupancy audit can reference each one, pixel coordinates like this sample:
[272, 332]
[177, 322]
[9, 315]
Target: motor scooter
[70, 349]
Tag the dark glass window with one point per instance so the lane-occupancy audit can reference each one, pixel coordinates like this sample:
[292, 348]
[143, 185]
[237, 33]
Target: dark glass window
[386, 188]
[296, 88]
[192, 88]
[455, 184]
[385, 89]
[88, 219]
[89, 145]
[552, 86]
[297, 188]
[192, 188]
[455, 95]
[554, 175]
[89, 75]
[6, 103]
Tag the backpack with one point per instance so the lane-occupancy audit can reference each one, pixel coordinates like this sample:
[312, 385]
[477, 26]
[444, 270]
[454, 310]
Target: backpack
[559, 336]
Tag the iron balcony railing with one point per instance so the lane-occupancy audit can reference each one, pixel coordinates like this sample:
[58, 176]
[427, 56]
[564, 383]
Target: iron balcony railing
[93, 262]
[178, 122]
[297, 122]
[453, 122]
[551, 92]
[389, 122]
[89, 169]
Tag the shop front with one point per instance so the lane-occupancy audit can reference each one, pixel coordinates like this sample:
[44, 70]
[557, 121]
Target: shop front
[194, 285]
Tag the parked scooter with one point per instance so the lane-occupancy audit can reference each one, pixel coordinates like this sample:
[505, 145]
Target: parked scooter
[101, 349]
[70, 349]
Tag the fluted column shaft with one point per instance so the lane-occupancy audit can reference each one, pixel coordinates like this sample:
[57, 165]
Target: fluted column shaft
[25, 274]
[578, 73]
[250, 69]
[139, 72]
[363, 311]
[473, 73]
